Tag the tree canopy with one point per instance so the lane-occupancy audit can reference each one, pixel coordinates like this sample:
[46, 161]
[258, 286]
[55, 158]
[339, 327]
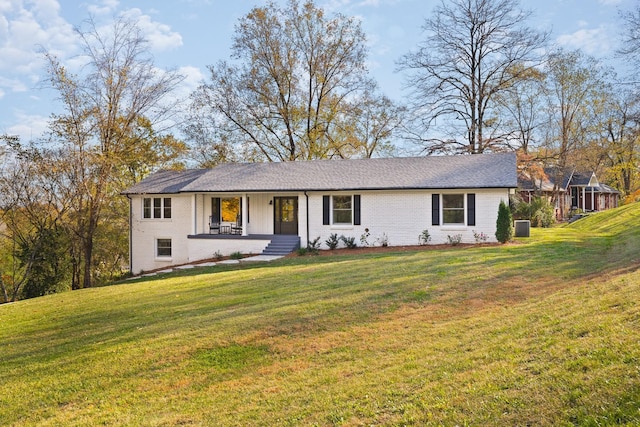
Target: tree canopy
[473, 51]
[296, 88]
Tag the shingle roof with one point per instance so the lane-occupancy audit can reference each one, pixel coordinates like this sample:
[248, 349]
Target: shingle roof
[573, 178]
[602, 188]
[581, 179]
[548, 181]
[432, 172]
[526, 183]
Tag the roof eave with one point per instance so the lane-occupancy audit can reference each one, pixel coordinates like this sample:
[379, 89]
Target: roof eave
[327, 189]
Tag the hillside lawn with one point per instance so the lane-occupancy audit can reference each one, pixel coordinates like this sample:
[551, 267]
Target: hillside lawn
[543, 331]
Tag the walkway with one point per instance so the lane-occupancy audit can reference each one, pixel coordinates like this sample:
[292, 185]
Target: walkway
[255, 258]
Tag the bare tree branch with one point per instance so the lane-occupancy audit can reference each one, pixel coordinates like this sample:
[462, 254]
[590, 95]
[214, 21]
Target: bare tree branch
[473, 51]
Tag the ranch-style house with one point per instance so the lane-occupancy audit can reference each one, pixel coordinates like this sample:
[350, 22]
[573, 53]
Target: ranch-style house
[178, 217]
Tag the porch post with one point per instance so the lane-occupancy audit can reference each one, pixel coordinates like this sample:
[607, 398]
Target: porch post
[245, 211]
[130, 234]
[194, 209]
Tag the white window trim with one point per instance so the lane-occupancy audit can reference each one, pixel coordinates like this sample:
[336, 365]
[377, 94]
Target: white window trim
[341, 225]
[453, 226]
[155, 249]
[162, 217]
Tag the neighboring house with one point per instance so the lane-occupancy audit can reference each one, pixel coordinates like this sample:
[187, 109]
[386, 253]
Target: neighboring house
[184, 216]
[576, 191]
[589, 195]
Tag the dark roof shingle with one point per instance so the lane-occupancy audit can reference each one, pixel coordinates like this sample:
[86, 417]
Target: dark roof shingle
[432, 172]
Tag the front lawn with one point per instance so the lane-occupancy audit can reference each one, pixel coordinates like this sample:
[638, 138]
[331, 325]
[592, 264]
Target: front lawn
[543, 331]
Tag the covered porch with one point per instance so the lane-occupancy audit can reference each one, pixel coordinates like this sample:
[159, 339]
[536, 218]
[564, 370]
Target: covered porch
[253, 216]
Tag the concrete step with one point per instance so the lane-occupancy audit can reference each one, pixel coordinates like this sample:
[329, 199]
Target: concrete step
[282, 245]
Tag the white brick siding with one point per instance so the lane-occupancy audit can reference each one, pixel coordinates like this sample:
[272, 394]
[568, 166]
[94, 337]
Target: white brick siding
[401, 215]
[145, 232]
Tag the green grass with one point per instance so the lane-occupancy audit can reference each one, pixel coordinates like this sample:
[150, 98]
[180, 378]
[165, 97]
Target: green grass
[543, 331]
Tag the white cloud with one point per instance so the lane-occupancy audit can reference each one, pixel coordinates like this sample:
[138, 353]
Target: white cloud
[26, 29]
[24, 32]
[593, 41]
[193, 77]
[610, 2]
[31, 126]
[105, 7]
[159, 35]
[14, 84]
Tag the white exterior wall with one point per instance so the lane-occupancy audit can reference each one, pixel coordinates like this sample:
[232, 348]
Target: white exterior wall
[403, 217]
[145, 232]
[200, 249]
[190, 216]
[260, 214]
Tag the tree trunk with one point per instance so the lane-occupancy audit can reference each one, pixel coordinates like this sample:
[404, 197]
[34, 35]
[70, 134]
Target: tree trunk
[87, 249]
[5, 295]
[87, 244]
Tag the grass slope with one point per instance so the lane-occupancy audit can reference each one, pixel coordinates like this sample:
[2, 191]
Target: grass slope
[544, 331]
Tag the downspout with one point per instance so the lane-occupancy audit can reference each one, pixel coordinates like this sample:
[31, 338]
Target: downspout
[307, 197]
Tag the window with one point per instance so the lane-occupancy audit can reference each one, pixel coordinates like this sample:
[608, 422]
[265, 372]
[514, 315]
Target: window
[167, 207]
[146, 207]
[156, 207]
[453, 209]
[227, 209]
[163, 247]
[230, 209]
[342, 212]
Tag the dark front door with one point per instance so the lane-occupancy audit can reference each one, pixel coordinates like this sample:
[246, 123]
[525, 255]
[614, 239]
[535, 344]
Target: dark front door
[286, 215]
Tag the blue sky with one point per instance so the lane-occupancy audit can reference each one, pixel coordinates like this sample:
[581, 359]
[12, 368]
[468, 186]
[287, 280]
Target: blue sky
[191, 34]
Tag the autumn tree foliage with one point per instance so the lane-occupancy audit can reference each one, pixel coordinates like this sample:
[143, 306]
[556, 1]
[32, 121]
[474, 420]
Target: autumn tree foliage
[34, 249]
[106, 127]
[576, 91]
[296, 88]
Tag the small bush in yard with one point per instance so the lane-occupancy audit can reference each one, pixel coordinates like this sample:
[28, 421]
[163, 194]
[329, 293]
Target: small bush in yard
[333, 241]
[383, 240]
[504, 223]
[314, 246]
[480, 237]
[454, 240]
[424, 237]
[364, 237]
[349, 242]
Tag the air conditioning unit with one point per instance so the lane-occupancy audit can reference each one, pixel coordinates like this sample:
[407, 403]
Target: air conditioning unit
[522, 227]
